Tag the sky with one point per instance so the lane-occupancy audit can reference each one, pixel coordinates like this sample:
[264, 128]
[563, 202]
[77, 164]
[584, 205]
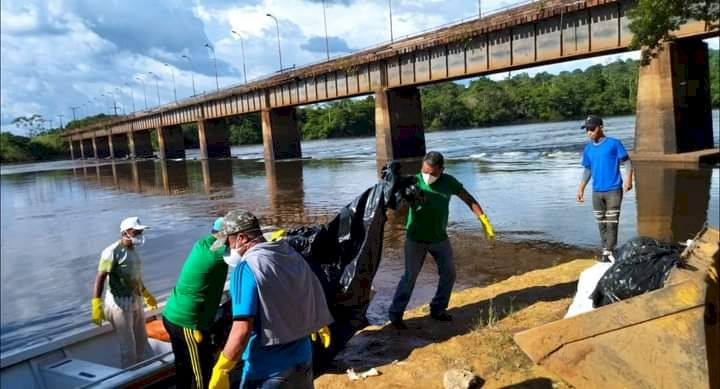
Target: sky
[58, 54]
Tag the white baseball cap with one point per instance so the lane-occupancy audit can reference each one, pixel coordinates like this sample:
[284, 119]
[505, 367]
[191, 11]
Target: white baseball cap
[131, 222]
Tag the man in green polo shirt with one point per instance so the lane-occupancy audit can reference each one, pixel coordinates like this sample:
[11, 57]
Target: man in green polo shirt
[427, 232]
[191, 308]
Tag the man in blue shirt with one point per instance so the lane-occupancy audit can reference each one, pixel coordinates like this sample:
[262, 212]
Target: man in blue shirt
[601, 159]
[277, 301]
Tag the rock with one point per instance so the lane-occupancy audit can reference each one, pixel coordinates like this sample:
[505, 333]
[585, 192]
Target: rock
[460, 379]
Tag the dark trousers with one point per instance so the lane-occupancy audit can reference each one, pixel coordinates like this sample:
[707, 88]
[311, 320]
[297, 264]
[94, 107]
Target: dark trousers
[606, 206]
[193, 360]
[295, 377]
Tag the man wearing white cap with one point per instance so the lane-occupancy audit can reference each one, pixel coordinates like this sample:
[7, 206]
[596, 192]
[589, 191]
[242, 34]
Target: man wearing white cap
[121, 265]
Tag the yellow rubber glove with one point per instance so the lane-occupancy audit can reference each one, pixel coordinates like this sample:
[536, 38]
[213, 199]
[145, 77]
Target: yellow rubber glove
[323, 334]
[97, 311]
[220, 378]
[149, 299]
[489, 230]
[277, 235]
[198, 336]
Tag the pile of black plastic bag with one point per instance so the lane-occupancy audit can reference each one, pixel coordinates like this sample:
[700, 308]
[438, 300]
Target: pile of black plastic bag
[641, 265]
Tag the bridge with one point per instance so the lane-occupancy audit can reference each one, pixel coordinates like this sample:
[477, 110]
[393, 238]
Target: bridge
[673, 101]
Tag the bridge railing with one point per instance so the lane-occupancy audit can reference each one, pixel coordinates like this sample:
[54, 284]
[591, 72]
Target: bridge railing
[384, 44]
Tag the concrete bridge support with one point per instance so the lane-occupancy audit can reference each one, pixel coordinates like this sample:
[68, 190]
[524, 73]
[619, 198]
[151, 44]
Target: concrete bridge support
[119, 146]
[75, 147]
[86, 148]
[673, 101]
[101, 147]
[71, 146]
[171, 143]
[214, 138]
[281, 135]
[399, 131]
[140, 144]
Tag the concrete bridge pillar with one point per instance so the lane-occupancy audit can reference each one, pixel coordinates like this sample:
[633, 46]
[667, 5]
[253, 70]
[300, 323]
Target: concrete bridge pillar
[120, 148]
[673, 101]
[102, 147]
[82, 148]
[281, 135]
[72, 149]
[216, 173]
[399, 131]
[76, 147]
[171, 143]
[214, 139]
[140, 144]
[94, 147]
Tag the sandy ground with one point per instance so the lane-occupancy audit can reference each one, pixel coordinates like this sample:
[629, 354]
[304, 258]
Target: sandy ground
[479, 338]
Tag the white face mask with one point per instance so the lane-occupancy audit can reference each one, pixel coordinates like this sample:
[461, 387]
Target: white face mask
[136, 241]
[429, 179]
[232, 258]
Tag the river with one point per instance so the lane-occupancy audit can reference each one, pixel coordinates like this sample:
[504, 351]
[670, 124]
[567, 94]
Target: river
[58, 216]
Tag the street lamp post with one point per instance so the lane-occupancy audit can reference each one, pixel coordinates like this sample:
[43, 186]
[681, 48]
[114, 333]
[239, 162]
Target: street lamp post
[391, 31]
[157, 86]
[172, 73]
[277, 28]
[242, 51]
[132, 95]
[327, 44]
[192, 76]
[120, 93]
[479, 10]
[144, 90]
[217, 85]
[61, 123]
[73, 109]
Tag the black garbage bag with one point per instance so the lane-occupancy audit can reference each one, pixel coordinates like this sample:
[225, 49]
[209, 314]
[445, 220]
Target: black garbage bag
[345, 254]
[642, 264]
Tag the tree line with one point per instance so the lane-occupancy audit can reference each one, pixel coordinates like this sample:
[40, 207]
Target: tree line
[604, 89]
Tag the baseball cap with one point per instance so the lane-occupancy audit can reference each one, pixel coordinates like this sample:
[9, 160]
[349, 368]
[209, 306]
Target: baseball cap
[131, 222]
[217, 225]
[591, 122]
[235, 222]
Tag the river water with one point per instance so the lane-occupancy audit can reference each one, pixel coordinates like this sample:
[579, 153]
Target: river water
[58, 216]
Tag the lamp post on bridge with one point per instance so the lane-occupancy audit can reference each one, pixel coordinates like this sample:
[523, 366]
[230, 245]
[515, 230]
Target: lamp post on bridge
[132, 95]
[391, 30]
[112, 100]
[122, 107]
[144, 90]
[217, 85]
[157, 86]
[172, 73]
[61, 123]
[277, 28]
[192, 76]
[479, 9]
[73, 109]
[327, 44]
[242, 52]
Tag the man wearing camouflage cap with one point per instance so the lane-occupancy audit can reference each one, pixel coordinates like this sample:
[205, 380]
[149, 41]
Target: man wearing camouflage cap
[277, 301]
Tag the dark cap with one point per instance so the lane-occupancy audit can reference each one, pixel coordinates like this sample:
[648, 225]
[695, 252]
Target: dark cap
[236, 222]
[591, 122]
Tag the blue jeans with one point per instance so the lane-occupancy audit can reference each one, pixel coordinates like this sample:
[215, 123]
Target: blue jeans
[414, 257]
[295, 377]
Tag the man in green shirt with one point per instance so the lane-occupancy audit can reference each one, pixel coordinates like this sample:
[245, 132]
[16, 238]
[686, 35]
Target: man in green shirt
[427, 232]
[191, 308]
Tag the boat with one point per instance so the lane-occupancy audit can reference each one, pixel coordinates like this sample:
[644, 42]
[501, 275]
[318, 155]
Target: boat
[88, 357]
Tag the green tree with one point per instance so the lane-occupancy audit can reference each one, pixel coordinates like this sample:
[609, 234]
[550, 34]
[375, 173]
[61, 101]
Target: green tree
[653, 21]
[33, 124]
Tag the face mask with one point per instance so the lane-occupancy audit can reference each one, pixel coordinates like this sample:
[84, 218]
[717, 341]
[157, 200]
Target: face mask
[138, 241]
[232, 258]
[429, 179]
